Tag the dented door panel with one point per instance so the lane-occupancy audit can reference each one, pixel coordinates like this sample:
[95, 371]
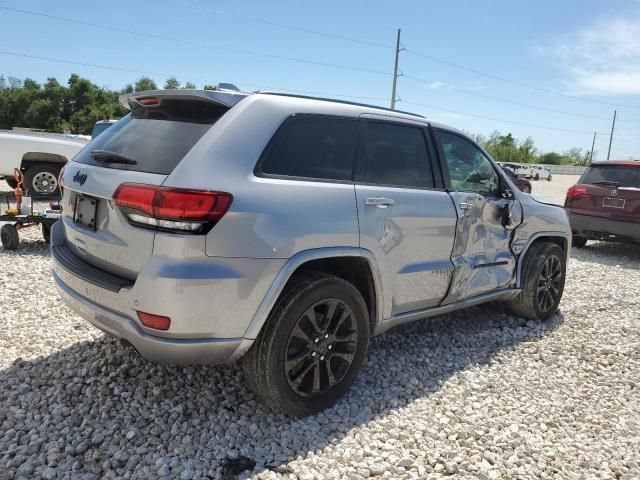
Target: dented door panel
[481, 254]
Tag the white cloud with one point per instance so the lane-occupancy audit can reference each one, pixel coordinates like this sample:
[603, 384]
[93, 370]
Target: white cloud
[437, 85]
[600, 59]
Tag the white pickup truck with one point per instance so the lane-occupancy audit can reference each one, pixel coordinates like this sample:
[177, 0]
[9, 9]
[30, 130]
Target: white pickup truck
[39, 158]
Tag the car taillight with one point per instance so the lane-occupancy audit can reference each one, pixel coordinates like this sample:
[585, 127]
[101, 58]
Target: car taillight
[175, 209]
[574, 192]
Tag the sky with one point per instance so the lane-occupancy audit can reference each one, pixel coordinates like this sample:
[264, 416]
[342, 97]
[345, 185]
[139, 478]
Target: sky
[552, 70]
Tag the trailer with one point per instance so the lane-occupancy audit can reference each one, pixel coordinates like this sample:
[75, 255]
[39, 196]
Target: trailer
[20, 212]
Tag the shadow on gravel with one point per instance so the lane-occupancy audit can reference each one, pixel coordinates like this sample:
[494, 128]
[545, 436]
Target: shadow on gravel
[27, 248]
[623, 255]
[96, 407]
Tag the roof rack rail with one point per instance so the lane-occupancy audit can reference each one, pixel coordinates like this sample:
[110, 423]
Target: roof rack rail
[335, 100]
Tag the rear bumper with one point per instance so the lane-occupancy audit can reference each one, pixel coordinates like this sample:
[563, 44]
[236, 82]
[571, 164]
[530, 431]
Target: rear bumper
[211, 301]
[596, 228]
[189, 351]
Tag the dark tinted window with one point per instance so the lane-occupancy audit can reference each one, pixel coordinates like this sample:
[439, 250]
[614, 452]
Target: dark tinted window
[469, 169]
[623, 176]
[157, 138]
[397, 155]
[313, 147]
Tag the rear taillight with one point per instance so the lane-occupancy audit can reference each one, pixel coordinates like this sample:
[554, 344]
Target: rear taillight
[175, 209]
[574, 192]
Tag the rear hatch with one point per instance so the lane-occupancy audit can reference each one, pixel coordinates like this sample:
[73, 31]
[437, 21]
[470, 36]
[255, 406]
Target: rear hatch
[142, 148]
[607, 191]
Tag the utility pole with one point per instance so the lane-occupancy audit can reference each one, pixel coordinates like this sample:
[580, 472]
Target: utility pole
[592, 145]
[395, 73]
[613, 125]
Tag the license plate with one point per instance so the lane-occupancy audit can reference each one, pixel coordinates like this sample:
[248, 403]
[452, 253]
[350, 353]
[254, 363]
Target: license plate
[84, 214]
[613, 202]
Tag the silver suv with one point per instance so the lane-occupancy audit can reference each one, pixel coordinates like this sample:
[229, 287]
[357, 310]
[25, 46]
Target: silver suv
[285, 231]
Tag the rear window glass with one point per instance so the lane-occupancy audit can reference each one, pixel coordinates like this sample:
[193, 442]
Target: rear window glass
[623, 176]
[313, 147]
[156, 138]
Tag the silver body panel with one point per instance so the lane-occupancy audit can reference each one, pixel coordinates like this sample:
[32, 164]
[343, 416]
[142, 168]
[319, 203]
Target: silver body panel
[219, 288]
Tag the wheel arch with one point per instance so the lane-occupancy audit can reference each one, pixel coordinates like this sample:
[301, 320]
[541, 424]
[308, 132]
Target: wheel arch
[356, 265]
[30, 159]
[558, 238]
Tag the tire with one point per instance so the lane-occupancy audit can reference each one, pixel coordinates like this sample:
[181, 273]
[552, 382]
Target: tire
[526, 189]
[549, 178]
[578, 242]
[46, 232]
[292, 389]
[42, 179]
[540, 297]
[537, 177]
[9, 237]
[11, 182]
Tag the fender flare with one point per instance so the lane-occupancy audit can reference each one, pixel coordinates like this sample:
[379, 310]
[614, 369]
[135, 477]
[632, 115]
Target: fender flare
[530, 241]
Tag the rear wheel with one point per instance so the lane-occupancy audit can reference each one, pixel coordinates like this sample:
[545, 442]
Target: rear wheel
[537, 177]
[578, 242]
[9, 237]
[549, 178]
[543, 277]
[312, 346]
[42, 179]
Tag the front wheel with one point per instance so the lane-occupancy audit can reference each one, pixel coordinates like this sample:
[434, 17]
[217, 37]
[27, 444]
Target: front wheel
[549, 178]
[537, 177]
[578, 242]
[543, 276]
[312, 346]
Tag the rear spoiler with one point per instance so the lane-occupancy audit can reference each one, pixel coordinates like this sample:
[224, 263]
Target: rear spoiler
[226, 98]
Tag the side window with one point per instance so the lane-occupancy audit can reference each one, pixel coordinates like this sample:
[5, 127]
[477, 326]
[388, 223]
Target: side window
[313, 147]
[397, 155]
[469, 168]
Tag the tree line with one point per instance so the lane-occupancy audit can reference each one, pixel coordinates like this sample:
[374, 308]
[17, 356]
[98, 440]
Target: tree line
[72, 108]
[76, 106]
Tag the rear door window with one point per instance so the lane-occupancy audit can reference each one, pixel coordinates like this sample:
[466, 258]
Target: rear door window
[314, 147]
[397, 155]
[612, 174]
[157, 138]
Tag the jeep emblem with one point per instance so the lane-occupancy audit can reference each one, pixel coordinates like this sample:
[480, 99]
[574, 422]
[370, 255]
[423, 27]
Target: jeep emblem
[80, 177]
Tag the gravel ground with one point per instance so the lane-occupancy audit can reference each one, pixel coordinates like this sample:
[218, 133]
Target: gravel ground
[475, 394]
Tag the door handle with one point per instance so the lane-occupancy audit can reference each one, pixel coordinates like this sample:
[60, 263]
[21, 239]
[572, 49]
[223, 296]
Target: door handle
[381, 202]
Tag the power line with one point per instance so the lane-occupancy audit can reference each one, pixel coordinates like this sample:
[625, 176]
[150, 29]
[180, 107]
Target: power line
[515, 82]
[512, 102]
[191, 42]
[280, 25]
[514, 122]
[167, 75]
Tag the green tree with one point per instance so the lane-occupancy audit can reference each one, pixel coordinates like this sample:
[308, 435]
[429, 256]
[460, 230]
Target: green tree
[189, 86]
[171, 83]
[144, 83]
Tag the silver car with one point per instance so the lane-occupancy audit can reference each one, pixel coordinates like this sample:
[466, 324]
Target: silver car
[286, 231]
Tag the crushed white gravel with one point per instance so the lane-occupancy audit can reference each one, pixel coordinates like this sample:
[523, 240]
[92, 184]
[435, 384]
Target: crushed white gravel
[475, 394]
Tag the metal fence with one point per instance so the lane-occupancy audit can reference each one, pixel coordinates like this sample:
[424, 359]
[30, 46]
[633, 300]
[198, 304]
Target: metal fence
[566, 169]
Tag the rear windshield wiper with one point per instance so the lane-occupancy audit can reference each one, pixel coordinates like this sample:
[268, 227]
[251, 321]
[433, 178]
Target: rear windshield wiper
[606, 183]
[111, 157]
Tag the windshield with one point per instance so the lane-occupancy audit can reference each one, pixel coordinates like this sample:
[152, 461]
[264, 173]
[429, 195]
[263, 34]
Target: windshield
[155, 138]
[623, 176]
